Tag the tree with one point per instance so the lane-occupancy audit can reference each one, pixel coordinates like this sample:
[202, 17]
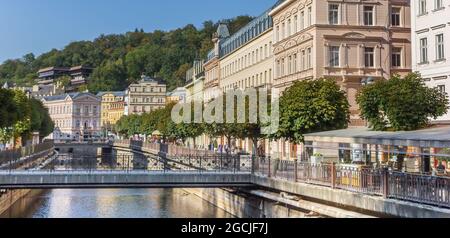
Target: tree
[40, 119]
[311, 106]
[188, 128]
[401, 103]
[111, 76]
[9, 113]
[159, 53]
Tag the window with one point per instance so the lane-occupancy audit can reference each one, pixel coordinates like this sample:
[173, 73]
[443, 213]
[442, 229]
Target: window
[295, 63]
[278, 69]
[369, 58]
[424, 50]
[295, 24]
[309, 16]
[277, 36]
[309, 51]
[261, 53]
[333, 14]
[441, 88]
[282, 67]
[395, 16]
[438, 4]
[396, 57]
[265, 51]
[303, 60]
[368, 15]
[86, 110]
[334, 56]
[440, 55]
[289, 28]
[302, 20]
[290, 65]
[283, 26]
[422, 7]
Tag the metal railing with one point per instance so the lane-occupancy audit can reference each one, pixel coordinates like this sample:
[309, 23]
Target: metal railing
[418, 188]
[26, 152]
[431, 190]
[168, 149]
[361, 180]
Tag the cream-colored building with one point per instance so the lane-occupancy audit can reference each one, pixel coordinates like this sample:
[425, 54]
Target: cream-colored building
[113, 105]
[349, 41]
[76, 116]
[246, 61]
[195, 78]
[145, 96]
[246, 56]
[212, 66]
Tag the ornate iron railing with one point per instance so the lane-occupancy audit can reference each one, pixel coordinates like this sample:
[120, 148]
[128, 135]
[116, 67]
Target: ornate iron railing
[431, 190]
[420, 188]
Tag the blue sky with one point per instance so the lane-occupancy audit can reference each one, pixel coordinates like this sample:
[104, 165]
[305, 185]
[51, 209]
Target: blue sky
[38, 26]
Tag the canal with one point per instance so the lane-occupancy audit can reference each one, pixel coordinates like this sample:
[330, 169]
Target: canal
[113, 203]
[110, 203]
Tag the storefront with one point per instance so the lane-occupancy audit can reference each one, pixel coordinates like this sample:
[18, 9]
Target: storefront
[424, 151]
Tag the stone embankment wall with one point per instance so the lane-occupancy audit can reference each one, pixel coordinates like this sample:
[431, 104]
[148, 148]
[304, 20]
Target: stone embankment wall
[9, 197]
[243, 206]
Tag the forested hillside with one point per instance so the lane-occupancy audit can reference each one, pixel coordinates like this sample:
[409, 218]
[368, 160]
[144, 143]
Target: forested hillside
[120, 59]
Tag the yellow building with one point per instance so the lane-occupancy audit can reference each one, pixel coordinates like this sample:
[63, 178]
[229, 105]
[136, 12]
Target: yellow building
[113, 108]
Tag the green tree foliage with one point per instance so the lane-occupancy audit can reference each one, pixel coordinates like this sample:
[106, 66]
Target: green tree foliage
[22, 116]
[8, 109]
[311, 106]
[401, 103]
[121, 57]
[40, 119]
[129, 126]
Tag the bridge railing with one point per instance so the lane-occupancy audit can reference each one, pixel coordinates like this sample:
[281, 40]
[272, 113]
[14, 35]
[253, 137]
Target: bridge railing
[431, 190]
[26, 152]
[217, 163]
[168, 149]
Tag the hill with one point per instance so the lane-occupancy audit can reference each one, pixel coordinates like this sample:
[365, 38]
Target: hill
[120, 59]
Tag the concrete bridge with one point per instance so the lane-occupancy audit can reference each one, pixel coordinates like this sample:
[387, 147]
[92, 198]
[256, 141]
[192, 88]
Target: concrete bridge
[121, 179]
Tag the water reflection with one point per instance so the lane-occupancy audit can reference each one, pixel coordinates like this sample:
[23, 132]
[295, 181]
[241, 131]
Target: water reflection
[113, 203]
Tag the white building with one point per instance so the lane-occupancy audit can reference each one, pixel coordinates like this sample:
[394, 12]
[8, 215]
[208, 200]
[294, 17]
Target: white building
[76, 116]
[430, 40]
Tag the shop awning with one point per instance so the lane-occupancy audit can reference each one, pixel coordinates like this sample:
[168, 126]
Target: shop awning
[437, 137]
